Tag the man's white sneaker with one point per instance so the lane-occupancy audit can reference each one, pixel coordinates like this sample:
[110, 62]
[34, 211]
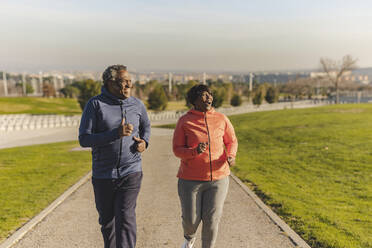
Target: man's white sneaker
[188, 243]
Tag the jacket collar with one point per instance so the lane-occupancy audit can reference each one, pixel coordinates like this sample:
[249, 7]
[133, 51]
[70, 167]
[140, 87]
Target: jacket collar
[209, 112]
[113, 98]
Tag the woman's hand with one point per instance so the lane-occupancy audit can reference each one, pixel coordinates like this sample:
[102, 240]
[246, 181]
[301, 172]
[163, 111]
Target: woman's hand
[202, 147]
[231, 161]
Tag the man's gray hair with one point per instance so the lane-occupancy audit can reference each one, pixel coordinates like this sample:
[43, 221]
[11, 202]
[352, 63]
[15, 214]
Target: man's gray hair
[112, 73]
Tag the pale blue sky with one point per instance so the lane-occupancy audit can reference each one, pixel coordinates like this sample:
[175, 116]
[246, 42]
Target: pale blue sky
[182, 35]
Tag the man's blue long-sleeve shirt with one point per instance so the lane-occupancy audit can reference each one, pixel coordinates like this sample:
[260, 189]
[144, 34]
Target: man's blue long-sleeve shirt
[112, 156]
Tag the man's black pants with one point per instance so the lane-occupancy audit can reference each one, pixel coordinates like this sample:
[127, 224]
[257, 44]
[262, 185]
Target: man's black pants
[116, 203]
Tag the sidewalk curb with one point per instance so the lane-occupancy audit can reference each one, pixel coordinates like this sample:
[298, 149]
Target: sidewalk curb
[22, 231]
[292, 235]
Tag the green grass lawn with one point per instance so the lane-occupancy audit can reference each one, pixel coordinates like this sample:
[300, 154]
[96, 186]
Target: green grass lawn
[67, 106]
[172, 106]
[32, 177]
[314, 168]
[38, 105]
[176, 105]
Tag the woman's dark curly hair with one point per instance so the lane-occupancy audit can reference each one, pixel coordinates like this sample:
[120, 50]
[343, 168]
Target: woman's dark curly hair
[195, 92]
[112, 73]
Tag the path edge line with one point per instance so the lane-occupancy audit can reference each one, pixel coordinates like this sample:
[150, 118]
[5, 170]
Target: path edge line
[292, 235]
[22, 231]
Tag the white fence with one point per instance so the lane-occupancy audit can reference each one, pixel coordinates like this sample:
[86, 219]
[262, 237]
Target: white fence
[16, 122]
[31, 122]
[247, 108]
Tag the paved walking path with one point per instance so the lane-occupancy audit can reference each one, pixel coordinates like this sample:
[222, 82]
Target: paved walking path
[74, 222]
[40, 136]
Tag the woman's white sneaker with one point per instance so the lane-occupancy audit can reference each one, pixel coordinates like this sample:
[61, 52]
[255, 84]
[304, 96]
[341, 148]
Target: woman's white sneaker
[188, 243]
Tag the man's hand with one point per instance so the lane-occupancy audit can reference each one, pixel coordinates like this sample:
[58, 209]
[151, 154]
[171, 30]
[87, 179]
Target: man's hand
[141, 144]
[231, 161]
[125, 129]
[202, 147]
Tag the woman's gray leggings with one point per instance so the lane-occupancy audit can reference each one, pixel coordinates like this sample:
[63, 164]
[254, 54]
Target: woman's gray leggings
[202, 201]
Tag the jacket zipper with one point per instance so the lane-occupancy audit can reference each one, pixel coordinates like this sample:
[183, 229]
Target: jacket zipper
[121, 142]
[209, 144]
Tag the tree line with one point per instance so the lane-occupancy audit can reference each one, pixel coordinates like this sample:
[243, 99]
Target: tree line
[157, 94]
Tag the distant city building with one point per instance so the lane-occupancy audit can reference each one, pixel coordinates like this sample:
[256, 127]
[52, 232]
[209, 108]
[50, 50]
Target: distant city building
[14, 84]
[267, 77]
[180, 78]
[348, 76]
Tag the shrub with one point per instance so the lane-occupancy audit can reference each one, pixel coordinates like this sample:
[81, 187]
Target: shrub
[70, 91]
[157, 99]
[48, 90]
[87, 89]
[29, 88]
[218, 96]
[272, 95]
[259, 95]
[236, 100]
[185, 88]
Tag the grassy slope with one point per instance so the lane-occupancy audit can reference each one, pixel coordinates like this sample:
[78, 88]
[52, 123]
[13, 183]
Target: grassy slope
[32, 177]
[38, 105]
[171, 106]
[176, 105]
[314, 168]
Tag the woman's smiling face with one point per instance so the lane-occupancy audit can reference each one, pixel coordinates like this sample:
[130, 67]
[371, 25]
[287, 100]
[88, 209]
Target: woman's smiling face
[204, 101]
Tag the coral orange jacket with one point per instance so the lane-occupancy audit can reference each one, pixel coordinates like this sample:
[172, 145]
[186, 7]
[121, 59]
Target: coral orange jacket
[212, 127]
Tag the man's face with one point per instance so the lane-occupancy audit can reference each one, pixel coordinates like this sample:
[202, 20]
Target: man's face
[204, 101]
[122, 86]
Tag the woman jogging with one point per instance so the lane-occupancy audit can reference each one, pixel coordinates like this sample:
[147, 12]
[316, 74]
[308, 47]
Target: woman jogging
[205, 142]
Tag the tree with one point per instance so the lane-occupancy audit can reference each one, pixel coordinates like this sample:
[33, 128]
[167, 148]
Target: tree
[185, 89]
[219, 95]
[299, 88]
[19, 88]
[157, 99]
[70, 91]
[259, 95]
[87, 89]
[138, 90]
[272, 95]
[334, 70]
[48, 90]
[229, 89]
[236, 100]
[29, 88]
[150, 86]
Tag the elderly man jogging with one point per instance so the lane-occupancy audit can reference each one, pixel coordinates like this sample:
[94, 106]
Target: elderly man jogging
[117, 128]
